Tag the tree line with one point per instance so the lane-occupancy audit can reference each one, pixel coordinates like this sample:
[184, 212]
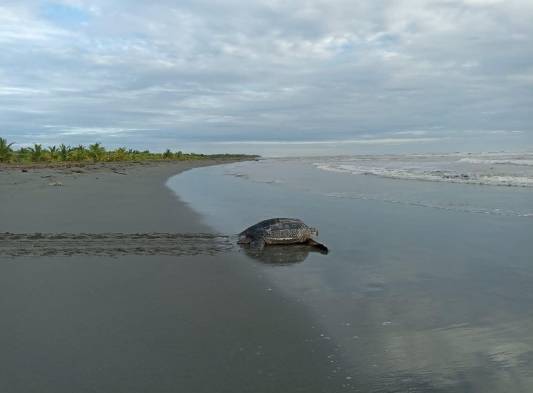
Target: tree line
[91, 153]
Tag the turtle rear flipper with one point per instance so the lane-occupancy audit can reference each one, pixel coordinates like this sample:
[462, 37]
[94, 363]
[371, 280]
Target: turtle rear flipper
[322, 248]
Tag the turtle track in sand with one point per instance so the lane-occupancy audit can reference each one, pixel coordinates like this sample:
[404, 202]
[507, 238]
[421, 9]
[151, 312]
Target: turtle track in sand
[113, 244]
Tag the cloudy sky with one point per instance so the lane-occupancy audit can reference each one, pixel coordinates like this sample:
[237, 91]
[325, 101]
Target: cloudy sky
[414, 74]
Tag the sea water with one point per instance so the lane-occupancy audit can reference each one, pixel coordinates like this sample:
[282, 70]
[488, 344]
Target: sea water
[428, 286]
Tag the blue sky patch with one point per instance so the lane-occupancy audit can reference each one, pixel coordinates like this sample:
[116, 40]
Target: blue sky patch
[64, 15]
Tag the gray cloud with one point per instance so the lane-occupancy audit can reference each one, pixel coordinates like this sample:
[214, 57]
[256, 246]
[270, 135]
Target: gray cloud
[126, 71]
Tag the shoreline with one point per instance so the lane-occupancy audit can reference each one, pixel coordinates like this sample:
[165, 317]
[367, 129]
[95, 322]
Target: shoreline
[141, 323]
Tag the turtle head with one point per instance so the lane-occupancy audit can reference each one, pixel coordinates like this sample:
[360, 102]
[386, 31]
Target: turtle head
[244, 239]
[313, 231]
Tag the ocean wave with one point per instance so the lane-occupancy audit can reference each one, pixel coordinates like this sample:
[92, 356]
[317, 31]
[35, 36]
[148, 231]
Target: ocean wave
[435, 175]
[486, 161]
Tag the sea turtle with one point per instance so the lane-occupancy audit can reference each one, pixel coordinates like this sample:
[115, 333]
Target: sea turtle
[280, 231]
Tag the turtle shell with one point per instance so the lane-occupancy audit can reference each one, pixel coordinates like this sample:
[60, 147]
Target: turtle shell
[279, 231]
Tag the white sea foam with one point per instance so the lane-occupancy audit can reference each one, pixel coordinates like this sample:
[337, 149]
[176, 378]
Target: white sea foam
[495, 170]
[484, 161]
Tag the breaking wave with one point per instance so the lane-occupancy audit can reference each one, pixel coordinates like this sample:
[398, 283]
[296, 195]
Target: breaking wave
[520, 162]
[510, 171]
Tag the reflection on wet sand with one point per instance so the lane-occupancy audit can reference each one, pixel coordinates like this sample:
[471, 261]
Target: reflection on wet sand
[452, 359]
[441, 332]
[281, 255]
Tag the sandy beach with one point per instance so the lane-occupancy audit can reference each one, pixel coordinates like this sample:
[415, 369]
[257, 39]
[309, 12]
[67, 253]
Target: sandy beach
[139, 323]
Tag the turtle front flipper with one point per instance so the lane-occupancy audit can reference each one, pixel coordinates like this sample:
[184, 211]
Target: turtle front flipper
[258, 244]
[322, 248]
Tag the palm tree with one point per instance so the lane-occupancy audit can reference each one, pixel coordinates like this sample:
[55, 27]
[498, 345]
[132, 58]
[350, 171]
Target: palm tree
[121, 154]
[36, 152]
[5, 150]
[96, 152]
[23, 154]
[63, 152]
[53, 152]
[78, 153]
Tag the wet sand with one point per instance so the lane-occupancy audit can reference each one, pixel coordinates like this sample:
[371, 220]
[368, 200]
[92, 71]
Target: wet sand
[420, 299]
[140, 323]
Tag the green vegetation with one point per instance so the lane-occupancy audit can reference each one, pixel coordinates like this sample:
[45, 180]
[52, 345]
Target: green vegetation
[94, 153]
[5, 150]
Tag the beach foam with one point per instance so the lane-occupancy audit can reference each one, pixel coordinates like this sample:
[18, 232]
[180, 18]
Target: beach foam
[485, 161]
[511, 170]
